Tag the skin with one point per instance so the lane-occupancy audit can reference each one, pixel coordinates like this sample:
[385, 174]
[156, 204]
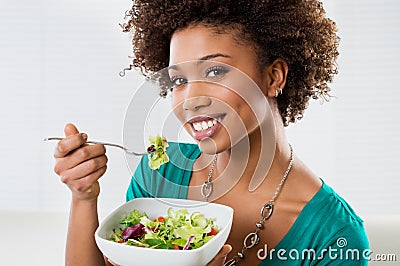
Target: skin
[80, 165]
[199, 42]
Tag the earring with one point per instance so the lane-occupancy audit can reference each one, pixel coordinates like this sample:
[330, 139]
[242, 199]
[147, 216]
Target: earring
[277, 92]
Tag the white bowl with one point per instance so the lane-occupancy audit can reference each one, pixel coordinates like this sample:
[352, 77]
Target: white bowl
[130, 255]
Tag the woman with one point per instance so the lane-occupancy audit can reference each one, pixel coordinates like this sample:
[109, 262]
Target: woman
[288, 48]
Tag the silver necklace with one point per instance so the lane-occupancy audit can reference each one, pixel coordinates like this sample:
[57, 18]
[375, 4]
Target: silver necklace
[207, 187]
[253, 238]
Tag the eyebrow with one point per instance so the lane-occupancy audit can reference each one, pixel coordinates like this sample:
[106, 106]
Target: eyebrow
[211, 56]
[206, 57]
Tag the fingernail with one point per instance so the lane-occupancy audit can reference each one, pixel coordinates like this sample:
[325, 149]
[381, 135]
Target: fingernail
[84, 136]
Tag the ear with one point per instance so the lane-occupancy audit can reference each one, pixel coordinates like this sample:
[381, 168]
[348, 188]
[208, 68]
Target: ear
[275, 78]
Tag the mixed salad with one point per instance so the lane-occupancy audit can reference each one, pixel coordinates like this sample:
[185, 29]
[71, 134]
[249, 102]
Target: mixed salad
[157, 152]
[177, 230]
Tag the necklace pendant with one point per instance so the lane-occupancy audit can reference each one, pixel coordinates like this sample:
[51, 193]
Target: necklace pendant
[231, 262]
[206, 189]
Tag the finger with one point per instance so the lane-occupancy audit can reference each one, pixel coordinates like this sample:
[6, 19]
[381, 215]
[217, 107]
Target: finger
[85, 184]
[220, 258]
[70, 129]
[84, 169]
[78, 156]
[68, 144]
[111, 262]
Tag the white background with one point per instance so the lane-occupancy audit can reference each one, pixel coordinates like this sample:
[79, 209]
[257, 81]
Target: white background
[59, 63]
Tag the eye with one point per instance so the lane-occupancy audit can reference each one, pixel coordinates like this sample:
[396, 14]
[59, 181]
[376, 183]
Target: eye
[216, 71]
[177, 81]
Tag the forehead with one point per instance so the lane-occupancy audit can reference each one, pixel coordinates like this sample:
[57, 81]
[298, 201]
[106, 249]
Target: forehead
[196, 42]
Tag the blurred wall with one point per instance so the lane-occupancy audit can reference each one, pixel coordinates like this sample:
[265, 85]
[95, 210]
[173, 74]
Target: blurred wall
[59, 63]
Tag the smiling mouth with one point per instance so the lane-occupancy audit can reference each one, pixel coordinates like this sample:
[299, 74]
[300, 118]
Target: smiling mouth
[202, 123]
[205, 126]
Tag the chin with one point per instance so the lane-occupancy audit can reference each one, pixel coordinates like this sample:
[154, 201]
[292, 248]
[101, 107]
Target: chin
[209, 146]
[216, 144]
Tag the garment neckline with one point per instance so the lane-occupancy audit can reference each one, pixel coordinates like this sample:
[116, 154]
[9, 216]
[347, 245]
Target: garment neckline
[302, 213]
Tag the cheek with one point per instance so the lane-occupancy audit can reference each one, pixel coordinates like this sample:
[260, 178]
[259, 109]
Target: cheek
[176, 105]
[243, 110]
[236, 103]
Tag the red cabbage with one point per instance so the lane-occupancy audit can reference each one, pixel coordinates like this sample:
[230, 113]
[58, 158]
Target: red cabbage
[134, 232]
[188, 243]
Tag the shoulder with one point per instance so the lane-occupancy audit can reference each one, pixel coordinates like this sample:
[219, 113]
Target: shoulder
[345, 220]
[187, 149]
[337, 230]
[327, 210]
[326, 197]
[179, 155]
[328, 230]
[334, 213]
[171, 179]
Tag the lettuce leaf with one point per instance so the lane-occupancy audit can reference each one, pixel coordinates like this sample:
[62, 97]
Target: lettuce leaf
[178, 229]
[157, 152]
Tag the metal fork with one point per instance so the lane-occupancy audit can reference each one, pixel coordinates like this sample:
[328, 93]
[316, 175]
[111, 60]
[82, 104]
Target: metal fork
[104, 143]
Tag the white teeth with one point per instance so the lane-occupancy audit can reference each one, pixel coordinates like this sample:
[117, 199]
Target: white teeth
[204, 125]
[197, 126]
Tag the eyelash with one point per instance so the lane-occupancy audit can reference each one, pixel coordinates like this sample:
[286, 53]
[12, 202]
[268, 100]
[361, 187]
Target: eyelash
[174, 79]
[221, 71]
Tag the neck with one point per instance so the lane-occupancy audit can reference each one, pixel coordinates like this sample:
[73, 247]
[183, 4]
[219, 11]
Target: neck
[266, 161]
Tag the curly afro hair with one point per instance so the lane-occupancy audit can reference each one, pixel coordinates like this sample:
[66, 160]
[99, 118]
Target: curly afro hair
[296, 31]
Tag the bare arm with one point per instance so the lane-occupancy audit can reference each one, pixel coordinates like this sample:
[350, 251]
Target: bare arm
[80, 166]
[81, 247]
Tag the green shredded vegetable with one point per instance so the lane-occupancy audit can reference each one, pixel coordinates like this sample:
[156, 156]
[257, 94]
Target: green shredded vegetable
[157, 152]
[177, 230]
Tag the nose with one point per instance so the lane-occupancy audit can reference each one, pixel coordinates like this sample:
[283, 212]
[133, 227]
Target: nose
[193, 100]
[196, 102]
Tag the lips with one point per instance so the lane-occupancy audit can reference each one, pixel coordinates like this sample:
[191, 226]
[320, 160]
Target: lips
[205, 126]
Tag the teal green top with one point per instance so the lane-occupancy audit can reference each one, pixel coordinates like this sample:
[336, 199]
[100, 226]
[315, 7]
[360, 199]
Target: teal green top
[327, 230]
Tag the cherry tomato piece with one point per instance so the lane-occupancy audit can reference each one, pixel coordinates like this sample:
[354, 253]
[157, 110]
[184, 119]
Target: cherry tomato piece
[213, 232]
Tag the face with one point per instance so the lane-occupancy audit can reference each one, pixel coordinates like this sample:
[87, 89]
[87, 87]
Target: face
[211, 98]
